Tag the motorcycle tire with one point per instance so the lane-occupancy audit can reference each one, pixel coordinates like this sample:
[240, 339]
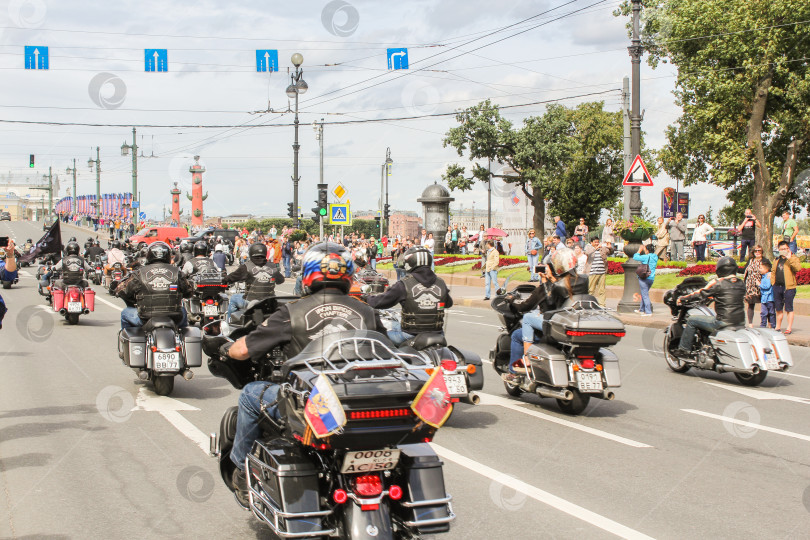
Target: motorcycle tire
[512, 389]
[576, 405]
[72, 318]
[751, 380]
[164, 384]
[674, 363]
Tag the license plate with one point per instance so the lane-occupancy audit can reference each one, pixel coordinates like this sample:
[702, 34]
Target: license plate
[74, 307]
[210, 310]
[370, 461]
[456, 384]
[167, 361]
[589, 382]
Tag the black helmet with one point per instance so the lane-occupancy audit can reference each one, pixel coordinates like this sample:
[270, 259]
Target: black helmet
[257, 253]
[116, 245]
[185, 246]
[29, 241]
[72, 239]
[326, 264]
[90, 239]
[72, 248]
[200, 248]
[726, 266]
[158, 252]
[416, 257]
[143, 251]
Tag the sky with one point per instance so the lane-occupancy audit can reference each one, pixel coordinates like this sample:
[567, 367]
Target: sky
[460, 52]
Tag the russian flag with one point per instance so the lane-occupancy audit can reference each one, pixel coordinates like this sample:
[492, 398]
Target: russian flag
[323, 410]
[172, 287]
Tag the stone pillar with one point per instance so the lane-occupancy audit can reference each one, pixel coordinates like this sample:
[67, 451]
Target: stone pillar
[436, 208]
[176, 204]
[197, 197]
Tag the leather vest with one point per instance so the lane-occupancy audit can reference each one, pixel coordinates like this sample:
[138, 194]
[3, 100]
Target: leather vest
[728, 294]
[160, 291]
[72, 270]
[423, 307]
[203, 264]
[326, 312]
[260, 282]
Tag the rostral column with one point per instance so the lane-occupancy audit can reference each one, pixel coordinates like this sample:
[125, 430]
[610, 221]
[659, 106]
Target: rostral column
[196, 196]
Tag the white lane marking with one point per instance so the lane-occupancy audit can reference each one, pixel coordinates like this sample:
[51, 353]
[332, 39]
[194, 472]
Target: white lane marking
[169, 408]
[750, 424]
[759, 394]
[791, 374]
[103, 301]
[24, 273]
[482, 324]
[465, 314]
[489, 399]
[574, 510]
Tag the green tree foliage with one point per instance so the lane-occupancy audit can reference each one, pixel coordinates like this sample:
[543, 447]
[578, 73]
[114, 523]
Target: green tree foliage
[744, 87]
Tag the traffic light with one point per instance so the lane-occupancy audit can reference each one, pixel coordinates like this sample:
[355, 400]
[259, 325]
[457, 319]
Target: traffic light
[291, 210]
[377, 219]
[387, 212]
[322, 203]
[31, 161]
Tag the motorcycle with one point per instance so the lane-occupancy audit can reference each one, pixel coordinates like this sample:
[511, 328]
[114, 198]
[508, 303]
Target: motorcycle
[207, 305]
[377, 478]
[368, 281]
[572, 362]
[748, 353]
[72, 301]
[43, 269]
[114, 277]
[98, 271]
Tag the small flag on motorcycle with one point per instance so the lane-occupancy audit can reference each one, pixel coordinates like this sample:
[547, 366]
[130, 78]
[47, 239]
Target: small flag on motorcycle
[432, 404]
[323, 410]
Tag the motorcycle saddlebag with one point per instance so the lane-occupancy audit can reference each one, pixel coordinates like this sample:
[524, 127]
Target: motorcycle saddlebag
[192, 346]
[132, 341]
[610, 368]
[284, 481]
[584, 327]
[58, 297]
[90, 299]
[425, 504]
[548, 364]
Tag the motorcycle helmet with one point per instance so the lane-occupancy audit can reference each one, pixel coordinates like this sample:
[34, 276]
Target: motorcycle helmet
[257, 253]
[116, 245]
[726, 266]
[72, 239]
[29, 241]
[72, 248]
[326, 264]
[185, 246]
[200, 248]
[564, 261]
[416, 257]
[158, 252]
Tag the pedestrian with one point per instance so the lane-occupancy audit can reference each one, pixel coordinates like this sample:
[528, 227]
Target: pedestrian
[581, 233]
[789, 231]
[700, 236]
[372, 253]
[581, 258]
[677, 236]
[767, 315]
[646, 276]
[559, 230]
[430, 244]
[533, 247]
[752, 278]
[783, 278]
[462, 241]
[491, 269]
[286, 255]
[448, 240]
[662, 237]
[596, 267]
[454, 237]
[748, 229]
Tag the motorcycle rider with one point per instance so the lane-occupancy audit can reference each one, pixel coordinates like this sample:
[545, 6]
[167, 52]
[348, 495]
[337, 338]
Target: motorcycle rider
[156, 289]
[114, 255]
[327, 269]
[28, 246]
[201, 261]
[260, 277]
[72, 267]
[185, 253]
[728, 292]
[93, 252]
[8, 272]
[422, 294]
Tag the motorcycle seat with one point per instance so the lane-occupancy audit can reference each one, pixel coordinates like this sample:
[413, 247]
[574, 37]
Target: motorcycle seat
[425, 340]
[158, 322]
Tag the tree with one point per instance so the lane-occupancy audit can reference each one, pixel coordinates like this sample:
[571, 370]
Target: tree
[556, 158]
[617, 212]
[743, 84]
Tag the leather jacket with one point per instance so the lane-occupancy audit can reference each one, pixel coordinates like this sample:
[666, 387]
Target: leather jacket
[728, 294]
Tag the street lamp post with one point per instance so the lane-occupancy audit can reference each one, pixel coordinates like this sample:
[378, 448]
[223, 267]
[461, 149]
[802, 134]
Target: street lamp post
[297, 86]
[75, 198]
[125, 148]
[385, 174]
[97, 163]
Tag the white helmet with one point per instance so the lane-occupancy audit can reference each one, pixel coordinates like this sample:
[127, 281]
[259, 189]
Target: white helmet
[564, 261]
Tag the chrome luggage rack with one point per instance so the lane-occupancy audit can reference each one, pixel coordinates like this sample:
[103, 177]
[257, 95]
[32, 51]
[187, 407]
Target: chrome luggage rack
[383, 357]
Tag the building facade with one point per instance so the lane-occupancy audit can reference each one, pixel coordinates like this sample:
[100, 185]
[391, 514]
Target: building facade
[19, 198]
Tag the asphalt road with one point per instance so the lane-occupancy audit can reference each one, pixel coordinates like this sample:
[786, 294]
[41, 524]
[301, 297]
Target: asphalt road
[674, 456]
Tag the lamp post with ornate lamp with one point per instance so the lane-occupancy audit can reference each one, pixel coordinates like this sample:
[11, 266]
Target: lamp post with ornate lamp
[297, 86]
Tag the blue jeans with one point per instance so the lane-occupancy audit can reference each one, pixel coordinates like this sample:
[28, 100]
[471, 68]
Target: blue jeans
[285, 260]
[644, 285]
[130, 318]
[704, 322]
[516, 350]
[745, 245]
[532, 264]
[794, 248]
[767, 315]
[236, 302]
[492, 277]
[298, 290]
[247, 419]
[532, 321]
[373, 264]
[396, 335]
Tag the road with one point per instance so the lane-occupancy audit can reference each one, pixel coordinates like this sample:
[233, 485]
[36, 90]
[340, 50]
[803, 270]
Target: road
[674, 456]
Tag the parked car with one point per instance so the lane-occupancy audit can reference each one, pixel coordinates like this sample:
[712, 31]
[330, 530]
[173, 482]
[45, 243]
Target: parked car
[226, 234]
[149, 235]
[5, 216]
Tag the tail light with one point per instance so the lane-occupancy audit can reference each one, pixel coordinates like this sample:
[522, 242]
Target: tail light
[340, 496]
[587, 363]
[379, 413]
[209, 301]
[449, 365]
[580, 333]
[395, 492]
[367, 485]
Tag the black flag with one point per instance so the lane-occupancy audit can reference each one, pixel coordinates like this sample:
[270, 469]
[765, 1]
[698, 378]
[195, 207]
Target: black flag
[51, 242]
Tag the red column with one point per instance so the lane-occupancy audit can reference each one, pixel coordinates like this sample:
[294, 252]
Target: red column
[197, 196]
[175, 204]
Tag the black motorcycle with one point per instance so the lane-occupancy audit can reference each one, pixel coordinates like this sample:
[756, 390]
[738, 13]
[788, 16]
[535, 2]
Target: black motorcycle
[376, 479]
[207, 305]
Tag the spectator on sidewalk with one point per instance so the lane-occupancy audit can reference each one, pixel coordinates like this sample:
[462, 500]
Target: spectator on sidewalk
[748, 229]
[533, 250]
[581, 233]
[677, 236]
[789, 231]
[596, 268]
[783, 278]
[700, 238]
[607, 233]
[559, 230]
[767, 315]
[662, 236]
[581, 258]
[752, 278]
[491, 269]
[646, 278]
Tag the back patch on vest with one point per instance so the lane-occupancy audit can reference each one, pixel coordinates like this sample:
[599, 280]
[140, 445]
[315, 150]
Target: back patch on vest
[427, 297]
[159, 279]
[331, 318]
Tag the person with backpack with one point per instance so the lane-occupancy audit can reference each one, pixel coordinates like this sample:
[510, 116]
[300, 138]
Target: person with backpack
[646, 276]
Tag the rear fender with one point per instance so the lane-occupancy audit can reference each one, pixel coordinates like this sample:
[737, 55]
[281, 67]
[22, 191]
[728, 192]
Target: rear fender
[367, 525]
[164, 338]
[476, 380]
[738, 348]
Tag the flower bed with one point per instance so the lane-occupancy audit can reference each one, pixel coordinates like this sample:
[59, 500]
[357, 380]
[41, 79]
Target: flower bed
[701, 270]
[504, 262]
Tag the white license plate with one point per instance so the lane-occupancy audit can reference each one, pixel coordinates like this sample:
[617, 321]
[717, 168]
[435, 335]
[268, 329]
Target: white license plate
[210, 310]
[456, 384]
[589, 382]
[167, 361]
[771, 364]
[74, 307]
[363, 461]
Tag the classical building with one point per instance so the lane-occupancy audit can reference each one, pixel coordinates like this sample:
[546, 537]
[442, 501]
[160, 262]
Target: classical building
[19, 198]
[403, 222]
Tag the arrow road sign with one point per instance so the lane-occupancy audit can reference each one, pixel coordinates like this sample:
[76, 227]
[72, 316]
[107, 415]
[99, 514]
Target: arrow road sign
[36, 57]
[142, 215]
[266, 60]
[638, 174]
[339, 214]
[156, 59]
[398, 58]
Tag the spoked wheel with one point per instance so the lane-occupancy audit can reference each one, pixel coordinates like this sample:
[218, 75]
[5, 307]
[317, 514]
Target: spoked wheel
[576, 405]
[72, 318]
[751, 380]
[164, 384]
[675, 364]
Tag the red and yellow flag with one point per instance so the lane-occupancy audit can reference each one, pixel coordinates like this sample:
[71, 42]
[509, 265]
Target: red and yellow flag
[432, 404]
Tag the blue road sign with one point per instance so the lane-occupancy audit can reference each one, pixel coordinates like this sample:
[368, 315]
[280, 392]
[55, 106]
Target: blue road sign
[266, 60]
[136, 204]
[398, 58]
[156, 59]
[340, 214]
[36, 57]
[142, 215]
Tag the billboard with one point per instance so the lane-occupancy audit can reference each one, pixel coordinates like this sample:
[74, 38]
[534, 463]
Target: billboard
[672, 203]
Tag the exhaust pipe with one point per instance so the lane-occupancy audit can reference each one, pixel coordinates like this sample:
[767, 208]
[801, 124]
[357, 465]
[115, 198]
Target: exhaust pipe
[62, 311]
[143, 375]
[731, 369]
[213, 441]
[608, 396]
[188, 374]
[784, 367]
[565, 395]
[472, 398]
[86, 311]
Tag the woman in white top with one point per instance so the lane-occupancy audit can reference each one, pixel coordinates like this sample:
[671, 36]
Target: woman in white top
[607, 232]
[429, 245]
[581, 259]
[702, 230]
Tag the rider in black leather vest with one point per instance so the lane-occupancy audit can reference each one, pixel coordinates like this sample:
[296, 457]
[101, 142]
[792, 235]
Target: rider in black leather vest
[157, 287]
[72, 267]
[261, 280]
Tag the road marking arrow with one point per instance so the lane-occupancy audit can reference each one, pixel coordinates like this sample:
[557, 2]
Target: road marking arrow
[759, 394]
[169, 408]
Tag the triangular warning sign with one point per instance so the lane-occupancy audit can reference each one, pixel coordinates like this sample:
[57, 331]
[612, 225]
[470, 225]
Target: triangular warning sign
[638, 174]
[338, 215]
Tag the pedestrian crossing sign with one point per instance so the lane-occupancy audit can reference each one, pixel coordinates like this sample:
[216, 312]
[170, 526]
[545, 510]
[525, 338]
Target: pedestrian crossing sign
[340, 214]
